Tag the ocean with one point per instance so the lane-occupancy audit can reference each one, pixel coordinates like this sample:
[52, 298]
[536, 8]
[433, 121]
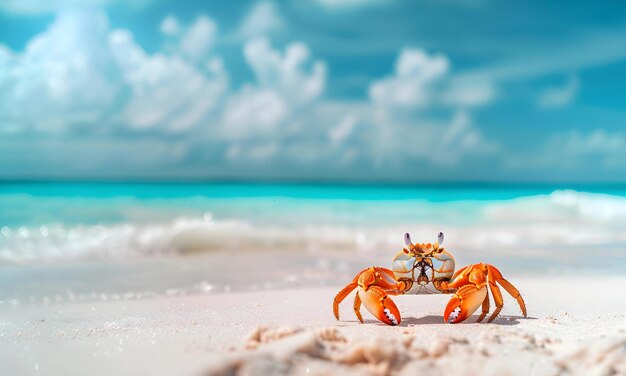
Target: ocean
[62, 241]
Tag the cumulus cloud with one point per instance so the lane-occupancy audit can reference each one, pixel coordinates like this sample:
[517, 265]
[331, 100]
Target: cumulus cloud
[415, 74]
[559, 96]
[84, 79]
[593, 151]
[198, 39]
[293, 73]
[166, 92]
[195, 42]
[599, 142]
[253, 112]
[399, 139]
[459, 133]
[79, 73]
[421, 80]
[469, 92]
[424, 105]
[286, 84]
[63, 78]
[263, 18]
[343, 129]
[458, 138]
[170, 26]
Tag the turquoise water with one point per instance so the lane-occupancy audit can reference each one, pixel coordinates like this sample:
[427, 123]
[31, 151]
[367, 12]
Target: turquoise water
[35, 204]
[317, 191]
[44, 222]
[89, 240]
[96, 203]
[435, 193]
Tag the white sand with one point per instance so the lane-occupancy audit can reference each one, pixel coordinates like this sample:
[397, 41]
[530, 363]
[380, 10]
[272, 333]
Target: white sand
[575, 326]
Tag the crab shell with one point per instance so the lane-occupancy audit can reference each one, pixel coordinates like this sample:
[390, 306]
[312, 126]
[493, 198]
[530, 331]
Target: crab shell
[425, 265]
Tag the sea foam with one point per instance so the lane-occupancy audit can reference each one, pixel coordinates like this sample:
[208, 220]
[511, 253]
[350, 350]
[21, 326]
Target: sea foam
[562, 225]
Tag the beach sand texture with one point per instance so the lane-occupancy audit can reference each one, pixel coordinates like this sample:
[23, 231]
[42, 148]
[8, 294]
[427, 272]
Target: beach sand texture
[575, 326]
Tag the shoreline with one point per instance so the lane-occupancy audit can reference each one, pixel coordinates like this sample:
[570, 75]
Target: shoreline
[289, 331]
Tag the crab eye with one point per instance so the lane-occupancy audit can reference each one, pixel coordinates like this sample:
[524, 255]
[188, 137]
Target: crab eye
[440, 238]
[407, 240]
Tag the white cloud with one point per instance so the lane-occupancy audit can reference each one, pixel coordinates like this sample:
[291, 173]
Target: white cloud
[399, 139]
[292, 74]
[598, 141]
[421, 80]
[63, 78]
[286, 84]
[592, 151]
[154, 79]
[409, 108]
[262, 19]
[411, 84]
[5, 57]
[199, 38]
[559, 96]
[343, 129]
[170, 26]
[80, 73]
[424, 108]
[195, 42]
[458, 139]
[469, 93]
[253, 112]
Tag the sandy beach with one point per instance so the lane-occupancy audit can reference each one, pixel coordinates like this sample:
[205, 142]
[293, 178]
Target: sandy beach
[186, 186]
[575, 326]
[234, 286]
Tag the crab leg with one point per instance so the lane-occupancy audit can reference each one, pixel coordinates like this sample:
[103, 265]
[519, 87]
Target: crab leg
[375, 284]
[497, 298]
[485, 308]
[357, 307]
[342, 295]
[494, 276]
[508, 286]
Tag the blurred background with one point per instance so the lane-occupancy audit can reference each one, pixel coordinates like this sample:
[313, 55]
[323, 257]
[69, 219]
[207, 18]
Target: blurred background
[161, 147]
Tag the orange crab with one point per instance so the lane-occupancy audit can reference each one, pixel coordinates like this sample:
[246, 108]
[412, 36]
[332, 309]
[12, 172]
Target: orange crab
[428, 269]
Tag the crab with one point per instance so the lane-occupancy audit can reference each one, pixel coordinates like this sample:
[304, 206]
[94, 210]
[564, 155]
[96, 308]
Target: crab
[428, 269]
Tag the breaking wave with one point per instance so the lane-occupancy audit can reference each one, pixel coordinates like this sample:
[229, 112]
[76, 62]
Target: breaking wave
[563, 205]
[564, 220]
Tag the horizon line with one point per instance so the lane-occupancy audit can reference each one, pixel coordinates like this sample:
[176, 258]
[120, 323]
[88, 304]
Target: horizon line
[309, 181]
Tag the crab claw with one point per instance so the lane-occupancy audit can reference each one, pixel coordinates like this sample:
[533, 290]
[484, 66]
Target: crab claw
[380, 305]
[464, 302]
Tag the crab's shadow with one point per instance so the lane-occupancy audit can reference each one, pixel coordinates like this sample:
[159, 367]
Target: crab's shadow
[438, 320]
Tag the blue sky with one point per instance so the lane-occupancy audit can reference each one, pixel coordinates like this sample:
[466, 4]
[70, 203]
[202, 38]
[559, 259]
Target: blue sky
[374, 90]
